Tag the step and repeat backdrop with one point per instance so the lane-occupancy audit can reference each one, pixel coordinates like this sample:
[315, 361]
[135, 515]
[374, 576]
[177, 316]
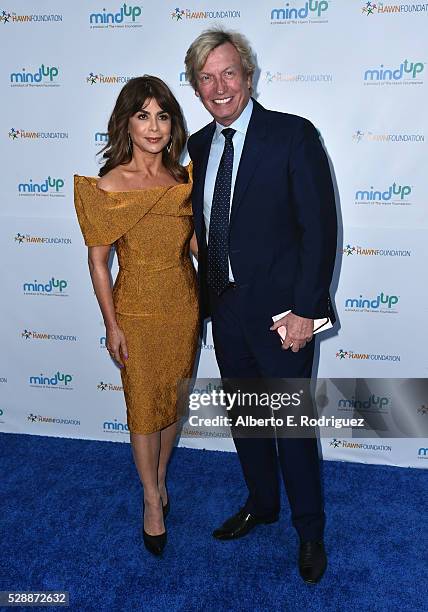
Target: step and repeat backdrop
[356, 69]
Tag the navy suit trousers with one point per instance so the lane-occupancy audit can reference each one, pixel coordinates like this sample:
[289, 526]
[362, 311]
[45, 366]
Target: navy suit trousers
[251, 351]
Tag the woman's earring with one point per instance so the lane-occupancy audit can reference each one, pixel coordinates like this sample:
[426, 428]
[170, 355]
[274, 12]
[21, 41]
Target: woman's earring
[129, 143]
[169, 146]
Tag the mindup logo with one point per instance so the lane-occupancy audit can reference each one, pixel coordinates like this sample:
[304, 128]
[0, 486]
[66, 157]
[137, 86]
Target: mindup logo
[48, 72]
[53, 381]
[384, 196]
[48, 287]
[382, 299]
[125, 11]
[391, 74]
[56, 184]
[317, 7]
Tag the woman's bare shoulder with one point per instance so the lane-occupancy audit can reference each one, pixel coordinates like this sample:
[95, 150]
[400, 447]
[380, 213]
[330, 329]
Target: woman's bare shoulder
[111, 181]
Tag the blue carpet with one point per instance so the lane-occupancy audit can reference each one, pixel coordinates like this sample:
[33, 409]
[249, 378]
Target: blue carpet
[71, 512]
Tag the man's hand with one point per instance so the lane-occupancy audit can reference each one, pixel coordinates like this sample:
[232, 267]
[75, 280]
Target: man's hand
[299, 331]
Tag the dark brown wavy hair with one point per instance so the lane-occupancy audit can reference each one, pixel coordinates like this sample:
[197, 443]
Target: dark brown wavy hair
[131, 99]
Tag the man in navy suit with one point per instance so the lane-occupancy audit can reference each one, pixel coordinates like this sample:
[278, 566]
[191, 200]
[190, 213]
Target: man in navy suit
[265, 222]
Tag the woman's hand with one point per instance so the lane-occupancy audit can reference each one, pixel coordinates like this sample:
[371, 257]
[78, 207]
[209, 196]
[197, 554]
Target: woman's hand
[116, 345]
[98, 257]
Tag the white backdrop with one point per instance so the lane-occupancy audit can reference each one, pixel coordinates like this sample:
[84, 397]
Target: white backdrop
[356, 69]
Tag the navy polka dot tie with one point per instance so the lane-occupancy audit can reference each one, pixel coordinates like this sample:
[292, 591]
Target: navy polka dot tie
[218, 236]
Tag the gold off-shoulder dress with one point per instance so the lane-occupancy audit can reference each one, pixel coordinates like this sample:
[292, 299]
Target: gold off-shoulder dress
[155, 293]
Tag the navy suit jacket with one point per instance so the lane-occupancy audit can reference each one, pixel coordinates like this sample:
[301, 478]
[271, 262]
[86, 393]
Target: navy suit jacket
[283, 227]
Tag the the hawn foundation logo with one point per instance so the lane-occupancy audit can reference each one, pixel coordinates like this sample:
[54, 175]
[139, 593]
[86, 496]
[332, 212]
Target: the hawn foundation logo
[180, 14]
[16, 135]
[365, 251]
[299, 13]
[45, 420]
[387, 137]
[341, 354]
[50, 186]
[389, 8]
[351, 445]
[42, 335]
[369, 8]
[124, 16]
[10, 17]
[55, 287]
[41, 240]
[105, 386]
[406, 73]
[274, 77]
[43, 76]
[381, 303]
[422, 409]
[115, 426]
[107, 79]
[58, 380]
[395, 194]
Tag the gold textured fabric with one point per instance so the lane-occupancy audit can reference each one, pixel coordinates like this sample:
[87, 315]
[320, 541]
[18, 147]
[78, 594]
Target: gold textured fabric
[155, 294]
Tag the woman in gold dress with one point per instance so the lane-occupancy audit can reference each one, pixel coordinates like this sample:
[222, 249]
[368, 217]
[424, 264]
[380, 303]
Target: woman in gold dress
[142, 205]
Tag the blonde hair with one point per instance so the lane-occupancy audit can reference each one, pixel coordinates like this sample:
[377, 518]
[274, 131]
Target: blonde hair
[202, 46]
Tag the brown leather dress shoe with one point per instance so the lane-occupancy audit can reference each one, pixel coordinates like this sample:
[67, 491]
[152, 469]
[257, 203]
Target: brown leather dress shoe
[240, 524]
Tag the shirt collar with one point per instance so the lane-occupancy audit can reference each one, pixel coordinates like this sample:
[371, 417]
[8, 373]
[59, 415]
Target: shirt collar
[240, 124]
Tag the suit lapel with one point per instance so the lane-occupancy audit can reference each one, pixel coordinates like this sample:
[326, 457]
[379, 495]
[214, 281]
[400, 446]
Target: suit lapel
[199, 178]
[251, 153]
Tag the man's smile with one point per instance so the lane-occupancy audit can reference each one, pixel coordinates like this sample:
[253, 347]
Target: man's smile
[222, 100]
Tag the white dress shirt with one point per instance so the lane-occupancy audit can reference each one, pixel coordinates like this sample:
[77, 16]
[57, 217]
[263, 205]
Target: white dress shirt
[216, 151]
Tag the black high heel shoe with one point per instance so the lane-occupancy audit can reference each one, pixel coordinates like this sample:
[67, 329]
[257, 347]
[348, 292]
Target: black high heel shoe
[154, 543]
